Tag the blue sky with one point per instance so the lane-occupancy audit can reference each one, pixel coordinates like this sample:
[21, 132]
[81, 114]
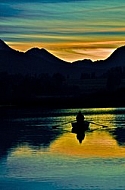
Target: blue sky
[69, 29]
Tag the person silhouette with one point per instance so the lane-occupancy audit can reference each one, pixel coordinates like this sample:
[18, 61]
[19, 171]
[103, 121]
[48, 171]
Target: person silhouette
[80, 119]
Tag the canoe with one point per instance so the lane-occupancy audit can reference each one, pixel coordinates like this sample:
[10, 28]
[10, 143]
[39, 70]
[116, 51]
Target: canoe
[78, 128]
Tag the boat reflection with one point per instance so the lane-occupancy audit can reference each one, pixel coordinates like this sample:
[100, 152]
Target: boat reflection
[80, 137]
[80, 130]
[80, 134]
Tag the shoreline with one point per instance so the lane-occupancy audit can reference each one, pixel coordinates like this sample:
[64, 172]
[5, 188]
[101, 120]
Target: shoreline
[87, 101]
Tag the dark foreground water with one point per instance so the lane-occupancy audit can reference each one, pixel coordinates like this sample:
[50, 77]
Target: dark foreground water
[38, 150]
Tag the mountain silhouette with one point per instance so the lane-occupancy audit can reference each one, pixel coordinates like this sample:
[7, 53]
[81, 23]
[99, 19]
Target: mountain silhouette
[117, 58]
[36, 61]
[4, 46]
[44, 54]
[37, 77]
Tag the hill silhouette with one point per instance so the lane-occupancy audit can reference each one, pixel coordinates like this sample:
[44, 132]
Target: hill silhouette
[37, 61]
[38, 77]
[34, 61]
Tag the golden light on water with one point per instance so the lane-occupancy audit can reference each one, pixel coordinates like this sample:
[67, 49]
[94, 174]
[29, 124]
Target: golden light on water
[98, 142]
[57, 160]
[95, 144]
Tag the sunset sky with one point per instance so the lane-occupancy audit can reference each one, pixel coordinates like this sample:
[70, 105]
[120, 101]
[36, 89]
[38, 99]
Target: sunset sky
[70, 29]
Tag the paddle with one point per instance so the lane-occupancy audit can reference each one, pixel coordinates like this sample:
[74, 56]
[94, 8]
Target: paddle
[56, 126]
[104, 126]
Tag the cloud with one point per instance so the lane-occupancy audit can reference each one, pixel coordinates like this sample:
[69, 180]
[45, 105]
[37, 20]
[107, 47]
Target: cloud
[7, 10]
[62, 21]
[41, 1]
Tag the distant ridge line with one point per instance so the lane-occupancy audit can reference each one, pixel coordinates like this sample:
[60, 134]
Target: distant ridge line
[34, 50]
[37, 61]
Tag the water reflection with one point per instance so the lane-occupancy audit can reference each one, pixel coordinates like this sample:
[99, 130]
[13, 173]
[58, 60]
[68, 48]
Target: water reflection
[96, 144]
[119, 135]
[34, 129]
[13, 134]
[80, 134]
[80, 137]
[34, 155]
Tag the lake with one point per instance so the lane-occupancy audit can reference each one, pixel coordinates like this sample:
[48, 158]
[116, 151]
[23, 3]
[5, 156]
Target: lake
[39, 151]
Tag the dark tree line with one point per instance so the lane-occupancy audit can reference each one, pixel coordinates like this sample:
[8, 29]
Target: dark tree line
[17, 88]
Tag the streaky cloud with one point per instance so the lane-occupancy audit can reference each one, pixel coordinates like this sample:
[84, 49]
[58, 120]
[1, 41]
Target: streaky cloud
[42, 1]
[9, 11]
[62, 23]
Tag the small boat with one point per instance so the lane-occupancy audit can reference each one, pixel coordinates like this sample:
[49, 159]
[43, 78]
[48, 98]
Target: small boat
[78, 128]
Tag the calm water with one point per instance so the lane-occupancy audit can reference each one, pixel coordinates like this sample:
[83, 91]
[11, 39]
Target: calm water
[38, 150]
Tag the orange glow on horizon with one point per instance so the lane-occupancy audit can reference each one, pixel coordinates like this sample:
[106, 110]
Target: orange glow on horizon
[72, 51]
